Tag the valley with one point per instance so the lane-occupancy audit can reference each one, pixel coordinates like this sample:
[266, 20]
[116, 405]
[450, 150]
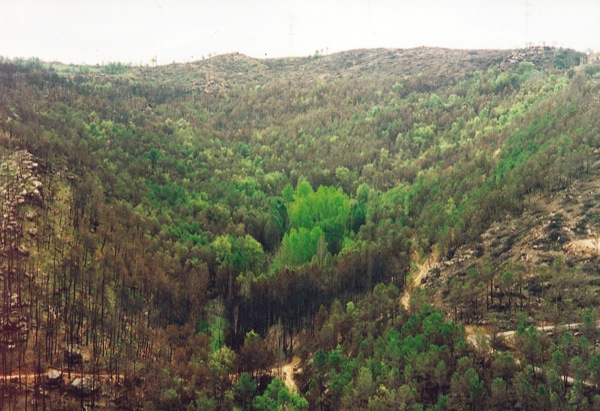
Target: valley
[373, 229]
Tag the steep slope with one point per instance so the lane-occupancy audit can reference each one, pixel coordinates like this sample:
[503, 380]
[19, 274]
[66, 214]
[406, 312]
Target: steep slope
[557, 228]
[201, 220]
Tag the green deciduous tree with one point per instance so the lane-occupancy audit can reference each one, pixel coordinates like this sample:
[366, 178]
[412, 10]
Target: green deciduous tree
[327, 208]
[300, 246]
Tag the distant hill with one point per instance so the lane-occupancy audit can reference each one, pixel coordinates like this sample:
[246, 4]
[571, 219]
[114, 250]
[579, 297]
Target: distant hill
[446, 65]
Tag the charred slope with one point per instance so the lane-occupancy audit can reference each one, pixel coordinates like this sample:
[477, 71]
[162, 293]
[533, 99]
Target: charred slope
[204, 215]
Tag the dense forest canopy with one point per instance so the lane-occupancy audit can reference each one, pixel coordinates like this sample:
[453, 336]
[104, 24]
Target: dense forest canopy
[198, 225]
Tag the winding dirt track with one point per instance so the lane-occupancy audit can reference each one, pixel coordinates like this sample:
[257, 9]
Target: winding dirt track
[416, 281]
[473, 336]
[286, 374]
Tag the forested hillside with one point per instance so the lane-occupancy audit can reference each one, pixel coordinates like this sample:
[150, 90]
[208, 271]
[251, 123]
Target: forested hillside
[174, 237]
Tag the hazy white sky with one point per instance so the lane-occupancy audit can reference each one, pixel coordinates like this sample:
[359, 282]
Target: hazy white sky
[136, 31]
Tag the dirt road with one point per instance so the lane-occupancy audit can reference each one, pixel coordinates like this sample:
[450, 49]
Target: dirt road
[415, 282]
[286, 374]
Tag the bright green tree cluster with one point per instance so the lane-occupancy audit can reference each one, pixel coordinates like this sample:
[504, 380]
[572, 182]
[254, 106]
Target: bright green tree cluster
[327, 208]
[299, 246]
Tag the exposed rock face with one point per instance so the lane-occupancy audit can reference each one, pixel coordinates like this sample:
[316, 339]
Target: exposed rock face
[85, 386]
[13, 323]
[20, 186]
[536, 55]
[54, 379]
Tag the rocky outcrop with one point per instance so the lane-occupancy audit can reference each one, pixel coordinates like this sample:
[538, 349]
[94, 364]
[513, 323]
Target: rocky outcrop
[53, 379]
[85, 386]
[20, 186]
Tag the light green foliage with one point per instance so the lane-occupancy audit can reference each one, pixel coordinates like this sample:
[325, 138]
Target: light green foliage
[277, 397]
[115, 67]
[422, 135]
[222, 246]
[217, 328]
[214, 324]
[220, 367]
[222, 360]
[299, 246]
[328, 208]
[241, 254]
[178, 191]
[342, 174]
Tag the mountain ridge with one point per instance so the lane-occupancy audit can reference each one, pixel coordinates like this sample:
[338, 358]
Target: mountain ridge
[194, 225]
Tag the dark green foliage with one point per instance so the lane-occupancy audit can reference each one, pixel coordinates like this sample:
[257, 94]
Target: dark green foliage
[409, 359]
[244, 390]
[185, 232]
[278, 397]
